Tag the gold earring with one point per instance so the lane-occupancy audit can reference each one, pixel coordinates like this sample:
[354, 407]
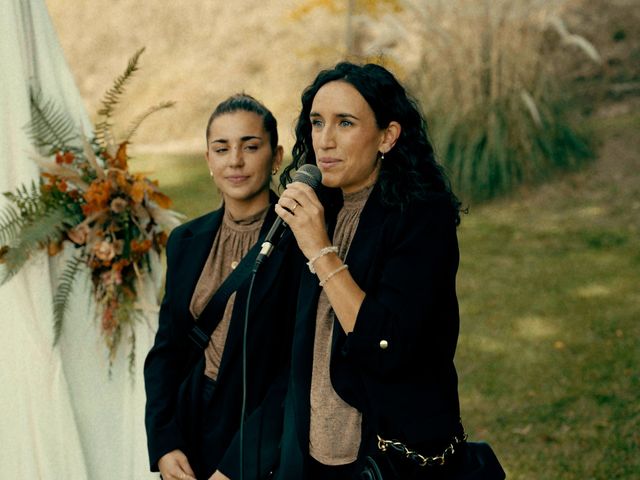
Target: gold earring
[210, 173]
[274, 171]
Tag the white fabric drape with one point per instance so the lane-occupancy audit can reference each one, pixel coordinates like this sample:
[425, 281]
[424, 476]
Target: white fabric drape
[109, 412]
[61, 416]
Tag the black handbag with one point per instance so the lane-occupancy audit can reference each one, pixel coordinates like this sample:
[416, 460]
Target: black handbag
[461, 460]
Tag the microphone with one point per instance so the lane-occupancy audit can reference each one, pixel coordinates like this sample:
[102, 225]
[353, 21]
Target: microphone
[308, 174]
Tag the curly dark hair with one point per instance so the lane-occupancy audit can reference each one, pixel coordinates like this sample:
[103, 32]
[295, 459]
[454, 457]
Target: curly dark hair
[409, 170]
[241, 102]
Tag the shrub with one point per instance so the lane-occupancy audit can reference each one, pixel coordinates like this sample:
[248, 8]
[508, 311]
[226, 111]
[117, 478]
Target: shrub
[489, 77]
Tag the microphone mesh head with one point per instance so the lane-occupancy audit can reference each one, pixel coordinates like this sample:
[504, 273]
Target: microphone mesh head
[309, 174]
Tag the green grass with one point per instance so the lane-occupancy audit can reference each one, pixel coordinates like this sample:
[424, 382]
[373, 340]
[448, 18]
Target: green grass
[549, 345]
[550, 307]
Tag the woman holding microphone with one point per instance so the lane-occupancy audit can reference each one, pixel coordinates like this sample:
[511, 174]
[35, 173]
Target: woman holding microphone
[377, 317]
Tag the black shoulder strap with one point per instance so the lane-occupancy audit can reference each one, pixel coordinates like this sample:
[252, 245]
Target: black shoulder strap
[201, 332]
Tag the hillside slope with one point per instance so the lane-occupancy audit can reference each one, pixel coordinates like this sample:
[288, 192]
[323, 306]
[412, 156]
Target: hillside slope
[197, 53]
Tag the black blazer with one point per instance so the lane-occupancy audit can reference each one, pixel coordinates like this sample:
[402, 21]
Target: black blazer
[406, 261]
[268, 351]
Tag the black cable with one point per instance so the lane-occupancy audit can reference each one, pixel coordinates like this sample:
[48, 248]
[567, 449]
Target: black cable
[244, 369]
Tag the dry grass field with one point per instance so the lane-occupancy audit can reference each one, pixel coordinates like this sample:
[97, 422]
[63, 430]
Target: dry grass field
[200, 51]
[197, 53]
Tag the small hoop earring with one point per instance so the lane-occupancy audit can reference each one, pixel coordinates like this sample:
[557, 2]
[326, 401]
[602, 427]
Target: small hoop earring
[274, 171]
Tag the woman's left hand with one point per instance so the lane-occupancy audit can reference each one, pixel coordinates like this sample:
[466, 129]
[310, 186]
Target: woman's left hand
[301, 209]
[218, 475]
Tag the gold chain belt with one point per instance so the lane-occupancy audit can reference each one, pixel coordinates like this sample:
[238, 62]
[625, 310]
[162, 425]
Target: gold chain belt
[423, 461]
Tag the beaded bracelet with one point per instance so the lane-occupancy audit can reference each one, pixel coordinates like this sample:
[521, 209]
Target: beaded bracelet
[332, 274]
[324, 251]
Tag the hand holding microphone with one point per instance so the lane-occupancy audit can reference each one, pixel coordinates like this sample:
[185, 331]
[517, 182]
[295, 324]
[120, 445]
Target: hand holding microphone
[300, 207]
[301, 191]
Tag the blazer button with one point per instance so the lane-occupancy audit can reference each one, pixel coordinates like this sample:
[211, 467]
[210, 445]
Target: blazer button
[384, 344]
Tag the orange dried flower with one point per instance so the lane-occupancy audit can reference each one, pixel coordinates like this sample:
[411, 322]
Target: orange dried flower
[120, 264]
[64, 157]
[141, 247]
[79, 234]
[121, 157]
[53, 248]
[137, 191]
[107, 158]
[121, 180]
[96, 196]
[161, 199]
[50, 181]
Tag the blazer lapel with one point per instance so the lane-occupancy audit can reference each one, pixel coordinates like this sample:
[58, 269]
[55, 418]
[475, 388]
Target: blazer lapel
[302, 351]
[195, 247]
[363, 248]
[366, 239]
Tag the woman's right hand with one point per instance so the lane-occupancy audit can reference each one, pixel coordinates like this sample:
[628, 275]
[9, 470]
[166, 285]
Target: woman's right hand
[301, 209]
[175, 466]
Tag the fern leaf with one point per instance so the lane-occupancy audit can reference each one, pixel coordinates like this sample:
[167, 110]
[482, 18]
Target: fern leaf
[27, 204]
[132, 352]
[51, 128]
[10, 223]
[63, 292]
[32, 236]
[112, 98]
[112, 344]
[30, 202]
[138, 120]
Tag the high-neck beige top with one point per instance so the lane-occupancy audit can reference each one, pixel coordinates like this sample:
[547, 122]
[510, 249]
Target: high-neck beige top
[335, 429]
[231, 243]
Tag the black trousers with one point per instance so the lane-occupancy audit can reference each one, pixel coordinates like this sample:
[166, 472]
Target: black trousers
[320, 471]
[194, 421]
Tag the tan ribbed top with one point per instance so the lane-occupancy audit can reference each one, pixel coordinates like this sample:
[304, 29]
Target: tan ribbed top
[335, 429]
[232, 242]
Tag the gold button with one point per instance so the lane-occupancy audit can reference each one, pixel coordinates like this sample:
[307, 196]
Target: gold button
[234, 264]
[384, 344]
